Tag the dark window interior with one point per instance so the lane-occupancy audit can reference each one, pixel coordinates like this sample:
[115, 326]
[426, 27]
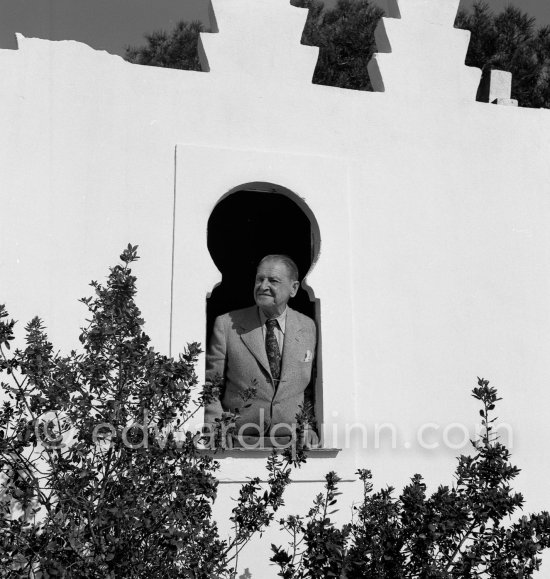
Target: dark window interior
[245, 226]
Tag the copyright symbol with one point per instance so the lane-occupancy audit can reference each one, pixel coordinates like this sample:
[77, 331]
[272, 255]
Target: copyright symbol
[54, 430]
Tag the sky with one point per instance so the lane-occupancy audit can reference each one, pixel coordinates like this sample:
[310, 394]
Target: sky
[114, 24]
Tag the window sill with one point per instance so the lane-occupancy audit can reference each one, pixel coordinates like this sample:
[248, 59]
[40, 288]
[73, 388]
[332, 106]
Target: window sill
[241, 452]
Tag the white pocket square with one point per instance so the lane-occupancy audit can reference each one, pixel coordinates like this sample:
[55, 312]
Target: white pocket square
[309, 356]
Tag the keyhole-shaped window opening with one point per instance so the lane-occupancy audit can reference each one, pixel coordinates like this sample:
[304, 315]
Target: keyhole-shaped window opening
[252, 221]
[247, 224]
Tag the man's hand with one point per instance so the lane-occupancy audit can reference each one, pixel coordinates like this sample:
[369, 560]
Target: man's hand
[311, 440]
[219, 434]
[226, 441]
[211, 441]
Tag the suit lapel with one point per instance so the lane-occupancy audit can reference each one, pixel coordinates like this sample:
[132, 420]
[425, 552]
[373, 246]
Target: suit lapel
[253, 337]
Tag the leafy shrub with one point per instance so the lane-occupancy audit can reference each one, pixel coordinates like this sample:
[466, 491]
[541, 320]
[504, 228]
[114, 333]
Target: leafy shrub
[100, 478]
[456, 532]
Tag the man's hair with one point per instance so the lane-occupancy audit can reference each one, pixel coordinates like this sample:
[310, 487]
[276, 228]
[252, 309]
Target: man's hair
[288, 261]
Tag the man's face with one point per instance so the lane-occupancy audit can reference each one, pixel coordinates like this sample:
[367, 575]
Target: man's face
[273, 287]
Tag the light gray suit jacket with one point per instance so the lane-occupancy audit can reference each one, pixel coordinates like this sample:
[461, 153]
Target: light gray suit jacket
[236, 352]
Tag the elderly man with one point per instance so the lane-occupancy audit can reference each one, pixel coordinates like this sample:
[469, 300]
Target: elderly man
[268, 347]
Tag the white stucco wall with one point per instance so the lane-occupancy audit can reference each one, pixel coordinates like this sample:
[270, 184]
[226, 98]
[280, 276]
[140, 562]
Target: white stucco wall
[432, 211]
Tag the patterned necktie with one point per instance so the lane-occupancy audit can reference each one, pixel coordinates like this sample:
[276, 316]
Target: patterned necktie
[272, 349]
